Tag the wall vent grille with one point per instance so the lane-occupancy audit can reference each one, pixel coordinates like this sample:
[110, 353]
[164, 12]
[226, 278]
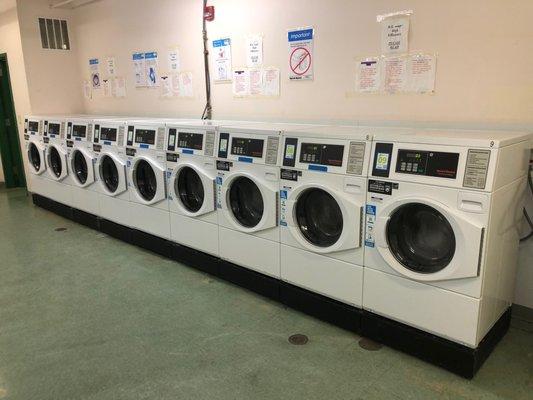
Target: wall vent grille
[54, 34]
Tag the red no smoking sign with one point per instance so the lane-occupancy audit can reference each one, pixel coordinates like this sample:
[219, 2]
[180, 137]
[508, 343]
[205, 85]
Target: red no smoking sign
[300, 61]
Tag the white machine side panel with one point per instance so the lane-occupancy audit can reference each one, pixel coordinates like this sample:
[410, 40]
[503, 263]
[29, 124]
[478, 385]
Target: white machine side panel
[194, 233]
[250, 251]
[332, 278]
[85, 200]
[512, 163]
[444, 313]
[501, 255]
[150, 220]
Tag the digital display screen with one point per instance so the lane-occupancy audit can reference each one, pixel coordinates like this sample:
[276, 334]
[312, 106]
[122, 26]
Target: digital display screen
[54, 129]
[247, 147]
[33, 126]
[323, 154]
[171, 139]
[79, 131]
[382, 159]
[108, 134]
[428, 163]
[190, 140]
[145, 136]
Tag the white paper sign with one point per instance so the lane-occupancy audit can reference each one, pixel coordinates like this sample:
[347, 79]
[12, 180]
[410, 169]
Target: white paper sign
[175, 81]
[87, 90]
[368, 75]
[94, 67]
[150, 65]
[421, 71]
[254, 51]
[241, 82]
[138, 69]
[174, 64]
[111, 68]
[301, 57]
[256, 81]
[222, 57]
[394, 74]
[395, 35]
[185, 84]
[119, 87]
[107, 87]
[166, 87]
[271, 82]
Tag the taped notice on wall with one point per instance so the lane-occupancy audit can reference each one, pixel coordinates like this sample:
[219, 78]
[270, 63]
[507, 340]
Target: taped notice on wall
[395, 32]
[368, 75]
[301, 55]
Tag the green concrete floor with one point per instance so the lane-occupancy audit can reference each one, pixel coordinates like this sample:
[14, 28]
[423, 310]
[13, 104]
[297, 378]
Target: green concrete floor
[84, 316]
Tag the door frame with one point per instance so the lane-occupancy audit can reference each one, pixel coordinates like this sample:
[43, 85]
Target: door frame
[10, 149]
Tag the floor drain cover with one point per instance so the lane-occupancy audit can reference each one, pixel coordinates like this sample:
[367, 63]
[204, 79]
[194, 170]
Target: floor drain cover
[369, 345]
[298, 339]
[60, 229]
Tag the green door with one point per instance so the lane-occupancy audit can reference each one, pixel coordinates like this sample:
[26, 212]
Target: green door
[9, 137]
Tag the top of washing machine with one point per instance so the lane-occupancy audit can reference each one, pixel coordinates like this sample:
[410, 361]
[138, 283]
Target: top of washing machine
[457, 137]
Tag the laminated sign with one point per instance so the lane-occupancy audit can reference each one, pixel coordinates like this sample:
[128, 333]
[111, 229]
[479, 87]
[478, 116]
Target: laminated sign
[301, 56]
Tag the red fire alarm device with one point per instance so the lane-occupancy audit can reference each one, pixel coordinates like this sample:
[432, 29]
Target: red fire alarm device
[209, 13]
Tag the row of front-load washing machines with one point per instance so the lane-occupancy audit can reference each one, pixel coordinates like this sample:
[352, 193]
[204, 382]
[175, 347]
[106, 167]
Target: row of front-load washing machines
[408, 236]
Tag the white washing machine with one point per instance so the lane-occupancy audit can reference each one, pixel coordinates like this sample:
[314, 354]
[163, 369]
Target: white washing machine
[191, 190]
[82, 160]
[111, 171]
[56, 157]
[442, 216]
[35, 154]
[322, 199]
[247, 195]
[146, 161]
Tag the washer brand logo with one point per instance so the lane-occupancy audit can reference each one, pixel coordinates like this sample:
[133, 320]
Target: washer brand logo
[130, 152]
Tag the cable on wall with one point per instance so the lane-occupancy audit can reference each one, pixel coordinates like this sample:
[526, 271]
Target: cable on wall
[207, 114]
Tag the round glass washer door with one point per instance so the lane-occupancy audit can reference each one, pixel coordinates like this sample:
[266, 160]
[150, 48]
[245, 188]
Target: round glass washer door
[420, 238]
[81, 170]
[318, 217]
[55, 162]
[35, 157]
[109, 173]
[145, 180]
[189, 189]
[246, 202]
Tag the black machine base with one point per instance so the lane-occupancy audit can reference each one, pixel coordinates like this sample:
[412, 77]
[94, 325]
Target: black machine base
[444, 353]
[196, 259]
[150, 242]
[85, 218]
[454, 357]
[251, 280]
[116, 230]
[321, 307]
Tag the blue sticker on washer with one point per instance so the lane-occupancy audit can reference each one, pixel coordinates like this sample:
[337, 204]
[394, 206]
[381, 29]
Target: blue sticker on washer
[368, 243]
[370, 209]
[283, 194]
[144, 146]
[246, 159]
[320, 168]
[128, 163]
[107, 143]
[187, 151]
[282, 223]
[219, 180]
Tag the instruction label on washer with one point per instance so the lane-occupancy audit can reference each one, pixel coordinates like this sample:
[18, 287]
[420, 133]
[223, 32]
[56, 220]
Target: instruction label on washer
[370, 221]
[477, 165]
[283, 207]
[272, 150]
[218, 183]
[356, 157]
